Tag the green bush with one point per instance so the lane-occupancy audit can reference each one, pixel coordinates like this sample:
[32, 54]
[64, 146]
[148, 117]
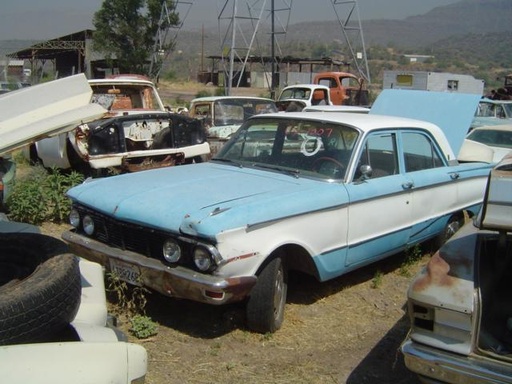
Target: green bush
[143, 327]
[40, 196]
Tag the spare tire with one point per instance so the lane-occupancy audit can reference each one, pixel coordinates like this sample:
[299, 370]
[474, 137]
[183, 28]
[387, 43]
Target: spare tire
[40, 287]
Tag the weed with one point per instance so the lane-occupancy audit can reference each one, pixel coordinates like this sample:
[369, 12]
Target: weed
[377, 280]
[214, 349]
[203, 93]
[412, 256]
[41, 196]
[129, 300]
[143, 327]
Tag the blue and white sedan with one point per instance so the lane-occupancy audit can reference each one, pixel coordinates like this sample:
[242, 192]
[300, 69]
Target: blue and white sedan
[322, 193]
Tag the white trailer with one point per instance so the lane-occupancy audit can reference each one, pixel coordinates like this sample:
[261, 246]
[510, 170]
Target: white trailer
[433, 81]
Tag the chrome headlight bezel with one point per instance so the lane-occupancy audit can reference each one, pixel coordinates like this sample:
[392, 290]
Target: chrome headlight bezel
[88, 225]
[203, 259]
[74, 218]
[171, 251]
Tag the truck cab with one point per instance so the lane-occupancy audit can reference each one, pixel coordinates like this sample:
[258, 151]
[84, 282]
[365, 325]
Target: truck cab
[344, 88]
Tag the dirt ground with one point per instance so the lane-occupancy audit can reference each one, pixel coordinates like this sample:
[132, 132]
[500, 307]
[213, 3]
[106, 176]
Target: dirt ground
[347, 330]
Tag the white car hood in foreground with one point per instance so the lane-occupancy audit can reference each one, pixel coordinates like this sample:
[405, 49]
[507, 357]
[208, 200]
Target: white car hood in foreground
[44, 110]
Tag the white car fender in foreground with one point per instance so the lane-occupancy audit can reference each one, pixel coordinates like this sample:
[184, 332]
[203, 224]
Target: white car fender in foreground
[73, 362]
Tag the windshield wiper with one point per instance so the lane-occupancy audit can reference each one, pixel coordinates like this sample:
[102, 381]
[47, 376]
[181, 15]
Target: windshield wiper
[292, 172]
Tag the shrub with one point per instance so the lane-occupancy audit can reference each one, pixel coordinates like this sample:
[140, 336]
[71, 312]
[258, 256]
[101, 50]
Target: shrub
[40, 196]
[143, 327]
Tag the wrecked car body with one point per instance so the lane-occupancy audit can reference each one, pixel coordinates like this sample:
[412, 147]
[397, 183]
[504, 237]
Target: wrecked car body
[135, 133]
[459, 303]
[223, 115]
[139, 141]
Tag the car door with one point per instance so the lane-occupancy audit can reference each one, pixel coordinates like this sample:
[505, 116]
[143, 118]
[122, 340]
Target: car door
[380, 205]
[434, 184]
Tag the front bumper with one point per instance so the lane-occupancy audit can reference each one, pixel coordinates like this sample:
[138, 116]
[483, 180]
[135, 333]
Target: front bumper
[176, 281]
[437, 366]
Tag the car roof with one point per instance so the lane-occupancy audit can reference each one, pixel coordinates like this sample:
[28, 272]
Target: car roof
[499, 127]
[366, 123]
[217, 98]
[121, 80]
[491, 101]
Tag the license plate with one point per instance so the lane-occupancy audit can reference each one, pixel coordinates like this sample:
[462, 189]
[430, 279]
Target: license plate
[126, 272]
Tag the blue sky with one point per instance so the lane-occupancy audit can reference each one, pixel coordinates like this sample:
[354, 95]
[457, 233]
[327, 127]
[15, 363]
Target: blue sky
[47, 19]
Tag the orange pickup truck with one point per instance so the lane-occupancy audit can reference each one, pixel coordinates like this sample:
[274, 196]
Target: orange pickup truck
[345, 88]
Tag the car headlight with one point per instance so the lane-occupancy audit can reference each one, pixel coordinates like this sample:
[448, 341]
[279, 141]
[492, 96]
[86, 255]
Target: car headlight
[171, 251]
[88, 225]
[202, 259]
[74, 218]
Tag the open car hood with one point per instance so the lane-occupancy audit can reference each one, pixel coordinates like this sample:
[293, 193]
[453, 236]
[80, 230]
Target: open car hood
[33, 113]
[450, 111]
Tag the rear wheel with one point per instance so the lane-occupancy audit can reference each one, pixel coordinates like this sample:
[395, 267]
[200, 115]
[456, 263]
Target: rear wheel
[265, 307]
[455, 222]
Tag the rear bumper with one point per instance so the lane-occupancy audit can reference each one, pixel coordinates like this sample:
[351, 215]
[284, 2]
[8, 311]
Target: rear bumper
[437, 366]
[171, 281]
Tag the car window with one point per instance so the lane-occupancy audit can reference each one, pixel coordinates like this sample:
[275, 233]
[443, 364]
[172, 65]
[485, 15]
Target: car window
[419, 152]
[380, 153]
[311, 148]
[495, 138]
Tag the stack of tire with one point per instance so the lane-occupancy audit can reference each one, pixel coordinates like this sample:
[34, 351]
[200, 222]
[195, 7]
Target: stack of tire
[40, 288]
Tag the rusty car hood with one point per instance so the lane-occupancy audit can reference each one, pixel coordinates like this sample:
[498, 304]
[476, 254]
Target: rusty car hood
[447, 280]
[235, 197]
[33, 113]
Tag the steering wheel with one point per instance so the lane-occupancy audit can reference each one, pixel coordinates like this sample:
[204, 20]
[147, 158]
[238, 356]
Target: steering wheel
[333, 167]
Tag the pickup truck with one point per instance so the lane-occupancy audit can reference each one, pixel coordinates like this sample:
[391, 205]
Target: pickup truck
[344, 88]
[296, 97]
[320, 193]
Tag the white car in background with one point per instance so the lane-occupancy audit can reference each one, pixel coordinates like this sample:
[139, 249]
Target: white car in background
[497, 138]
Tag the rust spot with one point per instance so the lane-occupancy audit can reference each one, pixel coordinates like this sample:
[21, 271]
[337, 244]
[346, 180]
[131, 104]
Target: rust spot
[436, 273]
[241, 257]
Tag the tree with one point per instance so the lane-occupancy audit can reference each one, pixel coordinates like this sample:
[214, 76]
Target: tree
[126, 30]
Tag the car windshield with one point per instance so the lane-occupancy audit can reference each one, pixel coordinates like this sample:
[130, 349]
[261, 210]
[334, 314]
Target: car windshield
[500, 110]
[292, 145]
[121, 97]
[492, 137]
[236, 111]
[295, 93]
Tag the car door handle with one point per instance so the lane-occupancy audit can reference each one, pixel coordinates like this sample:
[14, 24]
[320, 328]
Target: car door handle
[454, 176]
[408, 185]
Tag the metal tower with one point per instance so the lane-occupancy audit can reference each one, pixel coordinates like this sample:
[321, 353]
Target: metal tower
[240, 21]
[163, 44]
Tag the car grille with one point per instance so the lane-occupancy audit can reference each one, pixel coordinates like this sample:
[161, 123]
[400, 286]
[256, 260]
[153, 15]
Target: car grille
[125, 236]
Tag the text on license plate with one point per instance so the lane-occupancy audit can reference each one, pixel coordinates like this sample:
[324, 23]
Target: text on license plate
[126, 272]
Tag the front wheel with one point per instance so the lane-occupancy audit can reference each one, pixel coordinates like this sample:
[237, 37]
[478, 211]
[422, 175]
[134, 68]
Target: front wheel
[265, 307]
